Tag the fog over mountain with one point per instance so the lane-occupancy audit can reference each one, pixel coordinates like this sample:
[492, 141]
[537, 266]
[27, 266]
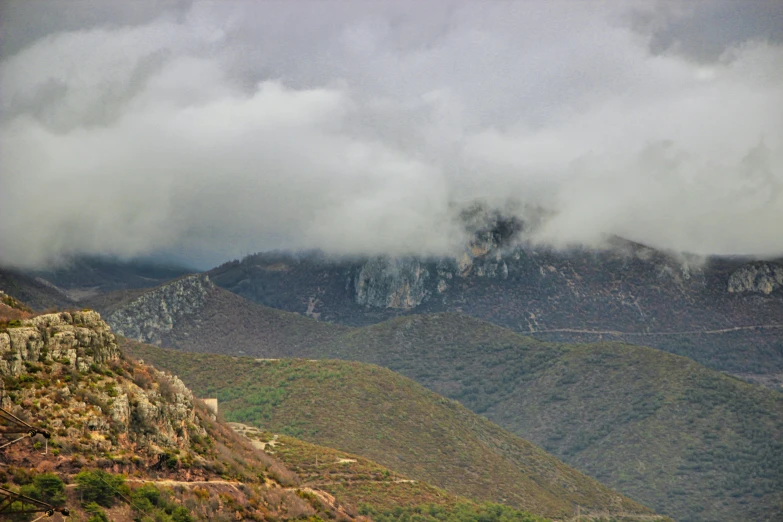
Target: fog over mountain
[206, 130]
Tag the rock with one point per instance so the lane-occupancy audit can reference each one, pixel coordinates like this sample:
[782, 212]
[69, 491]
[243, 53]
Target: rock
[82, 338]
[762, 277]
[148, 318]
[120, 409]
[385, 282]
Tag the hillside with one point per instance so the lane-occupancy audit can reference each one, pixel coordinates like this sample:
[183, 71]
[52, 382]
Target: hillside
[89, 276]
[725, 313]
[377, 491]
[382, 416]
[128, 442]
[192, 312]
[709, 444]
[36, 293]
[537, 390]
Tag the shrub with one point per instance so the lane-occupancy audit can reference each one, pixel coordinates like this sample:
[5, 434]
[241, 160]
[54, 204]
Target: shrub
[146, 497]
[46, 487]
[96, 513]
[181, 514]
[100, 487]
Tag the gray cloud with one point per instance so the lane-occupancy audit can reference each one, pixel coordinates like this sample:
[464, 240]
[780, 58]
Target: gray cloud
[216, 129]
[705, 30]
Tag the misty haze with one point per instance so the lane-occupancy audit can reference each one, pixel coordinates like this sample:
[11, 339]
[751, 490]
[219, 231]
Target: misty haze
[424, 261]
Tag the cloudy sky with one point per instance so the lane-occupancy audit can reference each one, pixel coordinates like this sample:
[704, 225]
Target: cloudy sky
[209, 130]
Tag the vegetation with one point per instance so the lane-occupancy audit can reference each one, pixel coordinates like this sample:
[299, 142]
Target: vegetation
[459, 513]
[46, 487]
[371, 411]
[99, 487]
[132, 442]
[690, 442]
[379, 492]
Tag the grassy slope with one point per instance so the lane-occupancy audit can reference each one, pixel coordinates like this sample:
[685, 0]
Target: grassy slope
[364, 483]
[708, 445]
[375, 413]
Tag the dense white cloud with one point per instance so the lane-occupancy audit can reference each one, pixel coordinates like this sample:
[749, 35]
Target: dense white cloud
[218, 129]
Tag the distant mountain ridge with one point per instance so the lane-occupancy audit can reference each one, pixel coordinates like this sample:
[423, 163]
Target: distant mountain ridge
[725, 313]
[88, 276]
[35, 292]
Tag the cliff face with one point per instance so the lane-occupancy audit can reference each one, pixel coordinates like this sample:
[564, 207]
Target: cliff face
[760, 277]
[405, 283]
[68, 367]
[152, 315]
[80, 337]
[396, 283]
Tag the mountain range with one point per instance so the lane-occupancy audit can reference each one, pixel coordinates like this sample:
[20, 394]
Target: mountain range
[688, 436]
[630, 416]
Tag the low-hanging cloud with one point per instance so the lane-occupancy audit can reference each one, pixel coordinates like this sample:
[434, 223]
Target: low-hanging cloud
[211, 130]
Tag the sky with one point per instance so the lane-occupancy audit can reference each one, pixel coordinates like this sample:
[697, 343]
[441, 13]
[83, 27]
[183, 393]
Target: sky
[205, 131]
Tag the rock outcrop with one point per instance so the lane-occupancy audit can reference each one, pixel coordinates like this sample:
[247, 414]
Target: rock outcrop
[80, 338]
[90, 390]
[385, 282]
[151, 316]
[760, 277]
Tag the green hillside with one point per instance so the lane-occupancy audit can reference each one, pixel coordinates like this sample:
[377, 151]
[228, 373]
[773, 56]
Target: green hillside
[373, 412]
[376, 490]
[688, 441]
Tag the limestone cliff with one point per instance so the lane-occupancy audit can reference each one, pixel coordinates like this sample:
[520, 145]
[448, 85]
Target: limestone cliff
[153, 314]
[760, 277]
[81, 338]
[68, 366]
[391, 283]
[406, 282]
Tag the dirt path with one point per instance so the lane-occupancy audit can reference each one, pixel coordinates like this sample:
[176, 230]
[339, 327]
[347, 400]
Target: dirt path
[682, 332]
[171, 482]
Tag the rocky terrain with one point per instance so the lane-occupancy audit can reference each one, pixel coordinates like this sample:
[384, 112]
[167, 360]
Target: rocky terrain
[194, 314]
[132, 440]
[758, 277]
[152, 315]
